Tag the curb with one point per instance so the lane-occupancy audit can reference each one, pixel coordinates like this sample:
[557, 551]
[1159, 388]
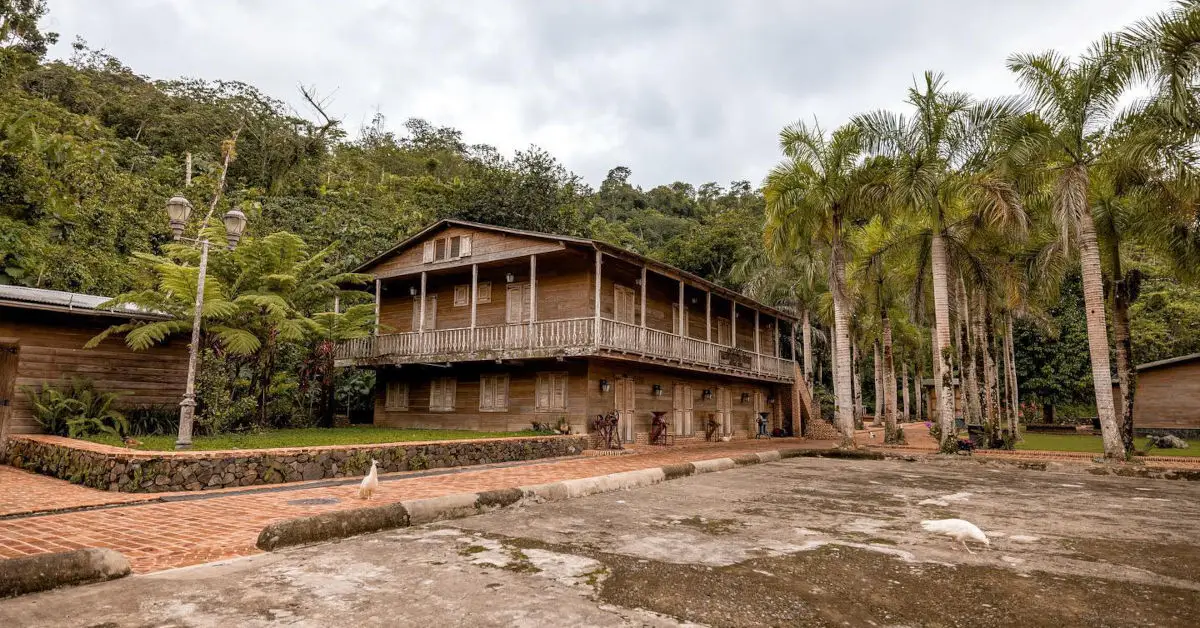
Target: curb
[42, 572]
[346, 523]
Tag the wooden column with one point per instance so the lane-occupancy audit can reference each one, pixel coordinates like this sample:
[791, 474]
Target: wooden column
[733, 324]
[532, 295]
[643, 297]
[775, 333]
[378, 295]
[474, 292]
[596, 274]
[421, 321]
[708, 316]
[756, 334]
[682, 310]
[793, 326]
[337, 304]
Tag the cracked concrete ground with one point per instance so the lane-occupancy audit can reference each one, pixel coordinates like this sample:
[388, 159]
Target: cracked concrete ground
[798, 542]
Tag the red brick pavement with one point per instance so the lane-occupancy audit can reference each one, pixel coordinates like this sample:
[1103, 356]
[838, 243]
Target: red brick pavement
[163, 535]
[23, 492]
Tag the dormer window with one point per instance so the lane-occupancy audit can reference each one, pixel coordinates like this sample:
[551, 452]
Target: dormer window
[446, 249]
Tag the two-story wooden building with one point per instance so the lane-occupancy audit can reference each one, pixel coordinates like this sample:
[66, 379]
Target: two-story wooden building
[488, 328]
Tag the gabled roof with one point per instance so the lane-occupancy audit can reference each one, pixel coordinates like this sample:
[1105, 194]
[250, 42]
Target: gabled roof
[1168, 362]
[59, 301]
[604, 247]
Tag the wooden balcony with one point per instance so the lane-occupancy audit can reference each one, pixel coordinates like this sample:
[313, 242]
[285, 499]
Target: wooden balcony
[560, 338]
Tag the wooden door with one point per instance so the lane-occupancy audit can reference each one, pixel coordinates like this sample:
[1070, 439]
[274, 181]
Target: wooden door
[625, 407]
[517, 308]
[683, 412]
[8, 379]
[430, 313]
[723, 335]
[725, 410]
[624, 304]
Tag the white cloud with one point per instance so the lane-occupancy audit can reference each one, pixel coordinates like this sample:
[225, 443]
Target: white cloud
[675, 90]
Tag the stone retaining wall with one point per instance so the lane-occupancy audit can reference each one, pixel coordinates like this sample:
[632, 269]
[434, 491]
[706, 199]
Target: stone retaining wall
[117, 469]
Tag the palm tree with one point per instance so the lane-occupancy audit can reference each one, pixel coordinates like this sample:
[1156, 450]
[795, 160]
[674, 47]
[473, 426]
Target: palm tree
[1078, 102]
[941, 173]
[820, 189]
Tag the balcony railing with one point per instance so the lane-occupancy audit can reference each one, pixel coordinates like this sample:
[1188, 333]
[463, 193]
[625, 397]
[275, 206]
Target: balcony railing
[558, 336]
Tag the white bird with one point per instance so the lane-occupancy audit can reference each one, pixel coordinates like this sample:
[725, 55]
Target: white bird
[958, 529]
[370, 483]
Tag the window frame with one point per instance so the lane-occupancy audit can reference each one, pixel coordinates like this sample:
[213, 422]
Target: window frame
[499, 381]
[547, 379]
[402, 393]
[447, 384]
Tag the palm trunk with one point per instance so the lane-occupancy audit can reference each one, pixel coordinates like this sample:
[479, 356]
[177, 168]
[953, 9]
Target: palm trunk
[842, 381]
[1122, 294]
[991, 375]
[907, 408]
[968, 370]
[856, 384]
[879, 400]
[1075, 192]
[806, 338]
[941, 354]
[889, 381]
[1014, 392]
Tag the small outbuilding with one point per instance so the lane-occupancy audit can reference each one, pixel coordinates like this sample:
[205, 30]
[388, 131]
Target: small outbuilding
[42, 338]
[1168, 397]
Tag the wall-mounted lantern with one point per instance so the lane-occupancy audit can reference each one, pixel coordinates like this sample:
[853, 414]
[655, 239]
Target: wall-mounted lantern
[706, 395]
[657, 389]
[745, 397]
[771, 400]
[509, 277]
[412, 290]
[604, 386]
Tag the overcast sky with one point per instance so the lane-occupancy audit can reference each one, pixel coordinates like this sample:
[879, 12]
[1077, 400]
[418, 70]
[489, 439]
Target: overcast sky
[692, 90]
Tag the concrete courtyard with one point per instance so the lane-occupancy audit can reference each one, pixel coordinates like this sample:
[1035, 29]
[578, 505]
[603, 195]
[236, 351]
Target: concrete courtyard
[803, 541]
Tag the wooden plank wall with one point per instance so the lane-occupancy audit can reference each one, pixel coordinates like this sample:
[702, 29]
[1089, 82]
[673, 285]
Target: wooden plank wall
[563, 282]
[486, 246]
[51, 350]
[466, 415]
[645, 376]
[1168, 397]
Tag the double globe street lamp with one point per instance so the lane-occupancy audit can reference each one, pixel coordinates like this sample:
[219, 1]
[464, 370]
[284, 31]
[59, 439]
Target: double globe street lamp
[178, 211]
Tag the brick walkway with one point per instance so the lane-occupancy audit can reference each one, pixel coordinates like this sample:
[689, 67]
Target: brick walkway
[158, 535]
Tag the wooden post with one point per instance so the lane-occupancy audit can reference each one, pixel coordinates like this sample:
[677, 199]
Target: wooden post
[378, 293]
[596, 274]
[793, 328]
[733, 324]
[708, 316]
[756, 348]
[775, 333]
[337, 304]
[474, 292]
[642, 332]
[421, 321]
[682, 308]
[532, 296]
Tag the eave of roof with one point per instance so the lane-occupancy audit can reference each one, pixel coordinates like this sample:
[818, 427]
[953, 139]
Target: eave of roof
[1168, 362]
[604, 247]
[24, 297]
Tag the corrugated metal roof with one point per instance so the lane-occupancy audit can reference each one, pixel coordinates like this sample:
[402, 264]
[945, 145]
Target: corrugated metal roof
[16, 296]
[1169, 361]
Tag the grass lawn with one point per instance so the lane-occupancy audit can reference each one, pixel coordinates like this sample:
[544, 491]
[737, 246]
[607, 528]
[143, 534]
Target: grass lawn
[309, 437]
[1093, 444]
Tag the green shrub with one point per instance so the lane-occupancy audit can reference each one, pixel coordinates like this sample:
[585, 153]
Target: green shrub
[76, 409]
[153, 419]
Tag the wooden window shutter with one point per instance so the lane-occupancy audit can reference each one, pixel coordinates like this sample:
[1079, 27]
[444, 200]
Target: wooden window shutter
[485, 292]
[542, 392]
[502, 392]
[451, 392]
[558, 392]
[462, 295]
[427, 254]
[397, 396]
[435, 393]
[431, 312]
[465, 247]
[416, 317]
[455, 246]
[487, 392]
[514, 303]
[439, 248]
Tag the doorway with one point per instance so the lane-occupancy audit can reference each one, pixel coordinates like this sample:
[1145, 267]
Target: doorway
[625, 407]
[683, 410]
[725, 410]
[9, 354]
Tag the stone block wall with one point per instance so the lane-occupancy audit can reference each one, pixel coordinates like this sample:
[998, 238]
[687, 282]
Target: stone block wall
[131, 471]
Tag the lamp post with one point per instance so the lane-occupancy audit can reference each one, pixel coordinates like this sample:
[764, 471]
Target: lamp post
[178, 210]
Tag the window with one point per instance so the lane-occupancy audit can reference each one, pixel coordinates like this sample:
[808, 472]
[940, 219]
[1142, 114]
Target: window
[550, 392]
[396, 397]
[723, 329]
[623, 304]
[462, 295]
[449, 248]
[517, 303]
[441, 394]
[485, 291]
[493, 393]
[430, 313]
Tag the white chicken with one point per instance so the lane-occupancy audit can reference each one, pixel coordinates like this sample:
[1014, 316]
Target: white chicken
[958, 529]
[370, 483]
